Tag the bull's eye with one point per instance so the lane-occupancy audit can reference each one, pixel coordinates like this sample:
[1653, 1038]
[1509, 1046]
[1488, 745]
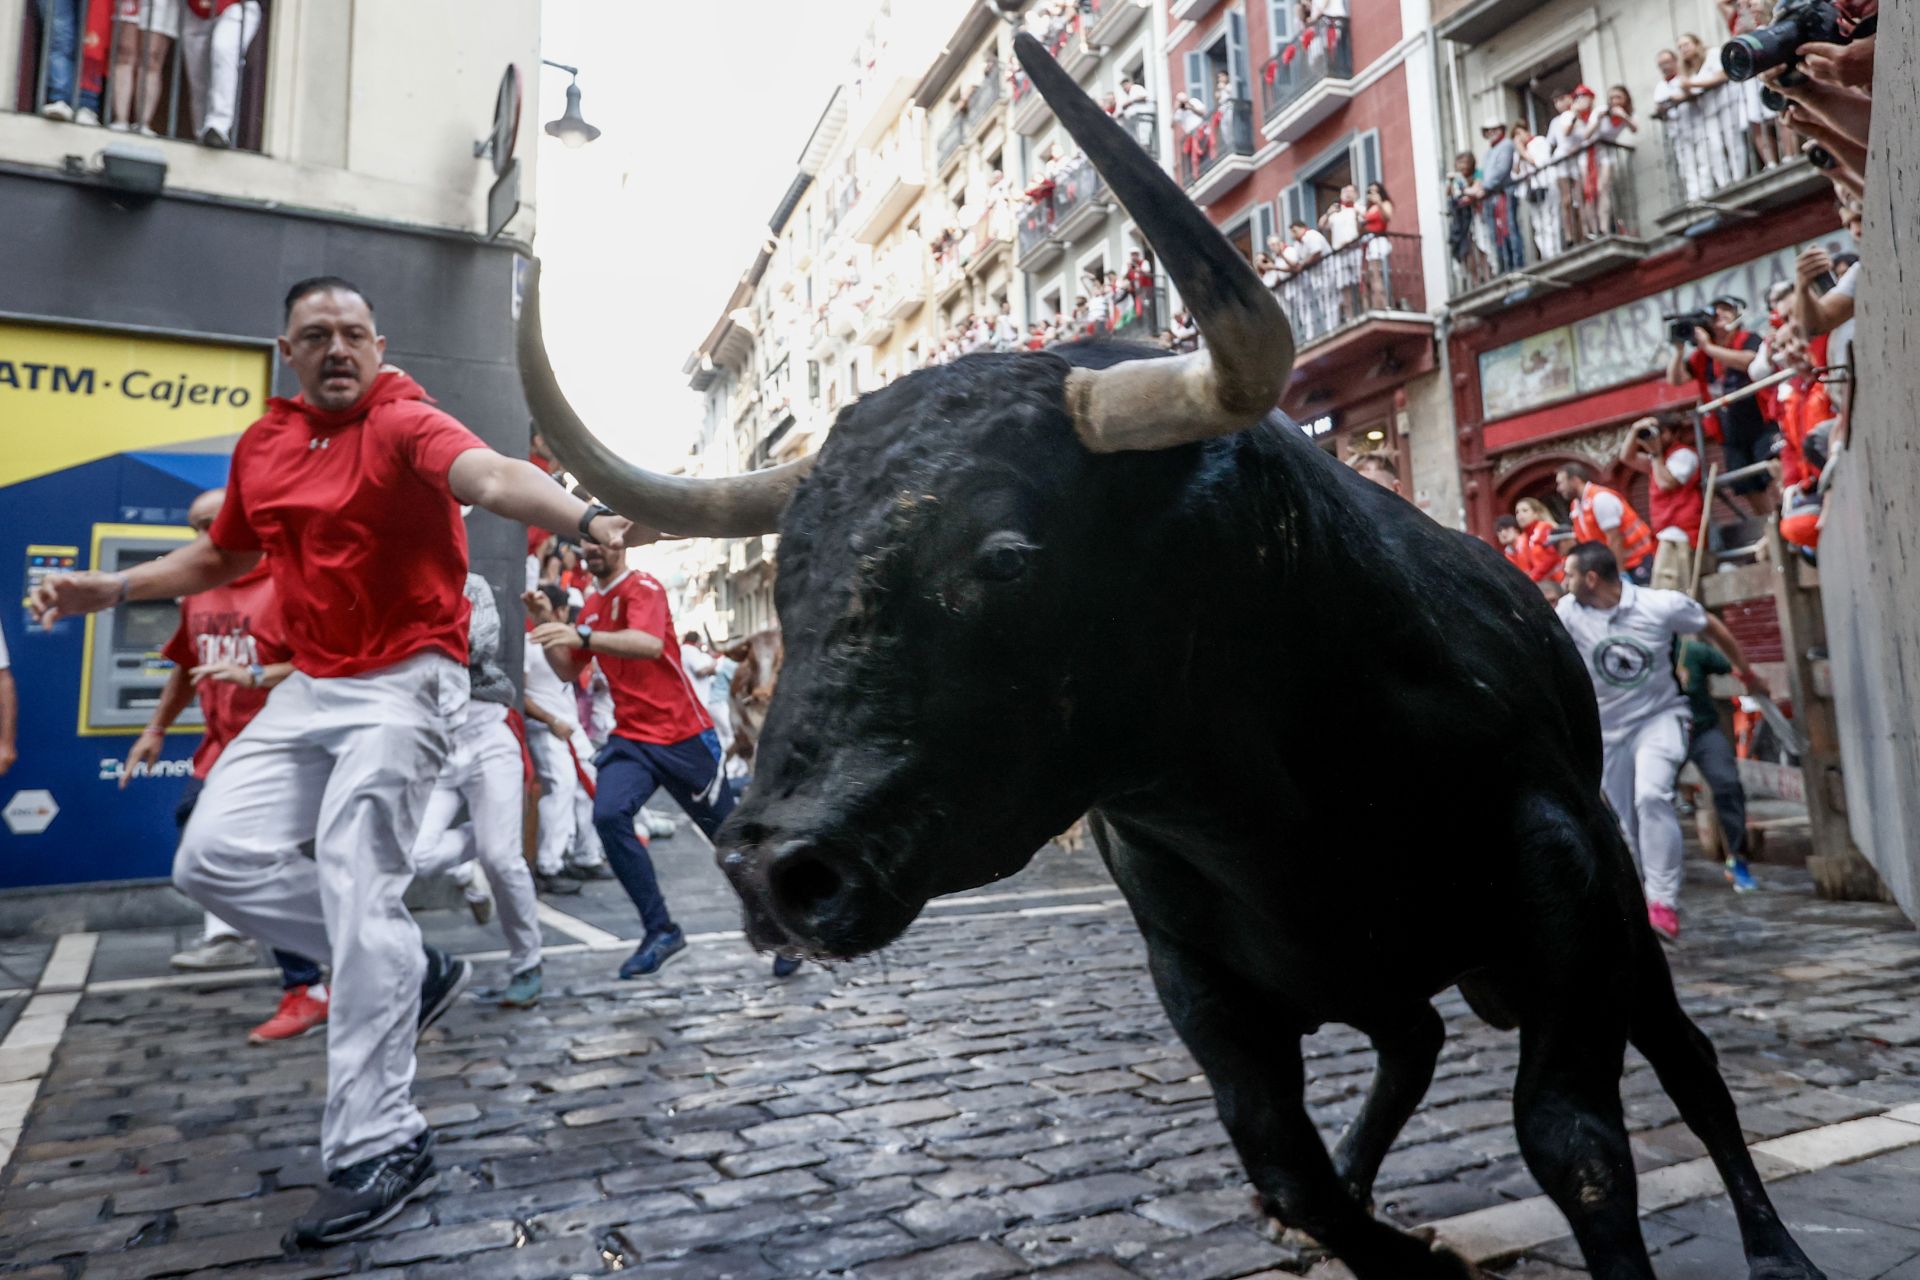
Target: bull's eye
[1003, 557]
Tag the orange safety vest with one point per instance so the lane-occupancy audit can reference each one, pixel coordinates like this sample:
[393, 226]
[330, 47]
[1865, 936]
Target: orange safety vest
[1635, 537]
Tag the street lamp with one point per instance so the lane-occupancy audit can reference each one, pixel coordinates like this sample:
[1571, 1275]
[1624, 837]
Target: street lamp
[571, 128]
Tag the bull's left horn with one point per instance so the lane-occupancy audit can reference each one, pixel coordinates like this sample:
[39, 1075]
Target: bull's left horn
[1238, 377]
[730, 507]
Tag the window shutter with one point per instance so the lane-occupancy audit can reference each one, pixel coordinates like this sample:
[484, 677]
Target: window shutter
[1237, 53]
[1279, 24]
[1365, 159]
[1296, 206]
[1262, 226]
[1197, 83]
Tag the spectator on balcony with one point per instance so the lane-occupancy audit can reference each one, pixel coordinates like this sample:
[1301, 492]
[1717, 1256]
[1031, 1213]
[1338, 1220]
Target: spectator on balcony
[1723, 111]
[1562, 144]
[1135, 101]
[1602, 515]
[1374, 222]
[1676, 103]
[1496, 198]
[1771, 137]
[1110, 103]
[75, 71]
[1533, 184]
[1342, 222]
[1661, 448]
[1465, 228]
[1603, 134]
[1718, 367]
[1539, 531]
[143, 36]
[214, 38]
[1006, 330]
[1315, 298]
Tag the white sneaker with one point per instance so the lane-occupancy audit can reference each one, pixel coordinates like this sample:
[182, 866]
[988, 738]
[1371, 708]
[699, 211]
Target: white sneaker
[216, 953]
[87, 116]
[216, 138]
[57, 110]
[658, 824]
[479, 900]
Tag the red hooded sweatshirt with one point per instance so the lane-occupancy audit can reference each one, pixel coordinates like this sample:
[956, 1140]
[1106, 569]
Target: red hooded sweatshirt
[363, 536]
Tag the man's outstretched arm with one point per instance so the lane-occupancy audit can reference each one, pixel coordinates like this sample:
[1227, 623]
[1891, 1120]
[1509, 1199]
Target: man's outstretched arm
[187, 571]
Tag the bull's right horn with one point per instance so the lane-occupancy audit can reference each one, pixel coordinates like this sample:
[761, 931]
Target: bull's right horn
[730, 507]
[1238, 377]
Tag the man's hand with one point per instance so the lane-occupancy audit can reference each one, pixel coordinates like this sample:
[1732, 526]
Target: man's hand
[225, 672]
[1843, 64]
[145, 750]
[1754, 682]
[616, 533]
[1813, 260]
[60, 594]
[539, 608]
[560, 728]
[551, 635]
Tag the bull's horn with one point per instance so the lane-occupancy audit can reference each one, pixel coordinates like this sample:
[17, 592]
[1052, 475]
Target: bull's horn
[731, 507]
[1238, 377]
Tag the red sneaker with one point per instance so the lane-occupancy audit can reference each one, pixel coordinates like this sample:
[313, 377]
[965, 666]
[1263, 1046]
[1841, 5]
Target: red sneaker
[299, 1014]
[1665, 921]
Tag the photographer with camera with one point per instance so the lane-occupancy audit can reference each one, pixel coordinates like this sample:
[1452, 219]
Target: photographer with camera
[1723, 352]
[1817, 59]
[1661, 448]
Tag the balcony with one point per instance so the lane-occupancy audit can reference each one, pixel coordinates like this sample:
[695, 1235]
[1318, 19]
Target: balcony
[1080, 201]
[949, 273]
[1108, 21]
[983, 104]
[875, 326]
[1035, 243]
[1711, 184]
[222, 115]
[1307, 81]
[1472, 22]
[1569, 221]
[1191, 10]
[1145, 128]
[820, 340]
[1139, 317]
[952, 137]
[843, 317]
[891, 185]
[1029, 108]
[1071, 48]
[990, 237]
[1217, 157]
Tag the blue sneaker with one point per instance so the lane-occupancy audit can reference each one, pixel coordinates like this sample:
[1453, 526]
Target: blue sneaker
[523, 992]
[1739, 877]
[785, 966]
[654, 952]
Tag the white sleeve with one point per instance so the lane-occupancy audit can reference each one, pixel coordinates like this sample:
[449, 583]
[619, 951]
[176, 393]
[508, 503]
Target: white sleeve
[4, 661]
[1848, 282]
[1608, 511]
[1685, 615]
[1683, 463]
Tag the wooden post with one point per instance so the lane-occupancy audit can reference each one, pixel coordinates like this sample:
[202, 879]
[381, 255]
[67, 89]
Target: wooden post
[1838, 869]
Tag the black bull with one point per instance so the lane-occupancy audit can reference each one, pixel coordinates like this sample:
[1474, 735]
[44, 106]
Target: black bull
[1007, 592]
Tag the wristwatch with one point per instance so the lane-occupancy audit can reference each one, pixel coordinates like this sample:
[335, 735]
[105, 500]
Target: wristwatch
[585, 633]
[258, 674]
[593, 512]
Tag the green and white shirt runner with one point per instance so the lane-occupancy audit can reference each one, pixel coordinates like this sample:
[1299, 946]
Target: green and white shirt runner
[1629, 653]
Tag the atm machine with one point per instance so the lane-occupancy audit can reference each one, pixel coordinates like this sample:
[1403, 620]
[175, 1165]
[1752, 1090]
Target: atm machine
[122, 670]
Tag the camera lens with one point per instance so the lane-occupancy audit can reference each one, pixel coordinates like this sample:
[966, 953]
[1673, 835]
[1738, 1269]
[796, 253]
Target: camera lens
[1820, 158]
[1772, 99]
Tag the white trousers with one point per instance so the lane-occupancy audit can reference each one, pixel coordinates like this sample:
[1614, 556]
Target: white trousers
[483, 771]
[212, 49]
[349, 763]
[1641, 768]
[586, 850]
[559, 792]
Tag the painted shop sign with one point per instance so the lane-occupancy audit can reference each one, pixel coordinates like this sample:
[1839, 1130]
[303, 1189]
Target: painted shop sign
[1625, 344]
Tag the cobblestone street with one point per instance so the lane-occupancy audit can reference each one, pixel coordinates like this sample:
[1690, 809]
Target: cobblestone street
[998, 1094]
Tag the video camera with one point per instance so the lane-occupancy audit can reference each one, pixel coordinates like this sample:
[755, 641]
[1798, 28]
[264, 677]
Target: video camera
[1680, 325]
[1795, 22]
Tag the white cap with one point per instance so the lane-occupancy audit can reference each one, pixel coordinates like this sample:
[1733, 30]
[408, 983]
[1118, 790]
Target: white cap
[1493, 122]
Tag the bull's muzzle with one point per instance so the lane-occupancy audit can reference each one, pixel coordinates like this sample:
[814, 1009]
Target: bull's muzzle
[801, 895]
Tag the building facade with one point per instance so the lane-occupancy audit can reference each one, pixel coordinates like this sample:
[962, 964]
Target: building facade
[1555, 336]
[1283, 107]
[138, 311]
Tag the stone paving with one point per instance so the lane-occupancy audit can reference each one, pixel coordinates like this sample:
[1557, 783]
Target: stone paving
[998, 1094]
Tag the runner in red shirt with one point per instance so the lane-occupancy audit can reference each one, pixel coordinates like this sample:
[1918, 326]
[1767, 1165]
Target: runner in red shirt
[228, 651]
[353, 491]
[662, 735]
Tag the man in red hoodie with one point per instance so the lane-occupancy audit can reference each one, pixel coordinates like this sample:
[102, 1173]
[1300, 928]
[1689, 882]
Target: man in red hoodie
[353, 491]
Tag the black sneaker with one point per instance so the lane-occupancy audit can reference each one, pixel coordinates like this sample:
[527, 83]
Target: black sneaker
[554, 882]
[654, 952]
[447, 976]
[366, 1196]
[785, 966]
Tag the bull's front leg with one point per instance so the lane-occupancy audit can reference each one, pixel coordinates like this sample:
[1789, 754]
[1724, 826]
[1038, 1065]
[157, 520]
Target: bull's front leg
[1259, 1084]
[1406, 1050]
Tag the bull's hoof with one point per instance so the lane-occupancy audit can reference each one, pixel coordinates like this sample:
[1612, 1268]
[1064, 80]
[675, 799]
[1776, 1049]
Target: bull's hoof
[1276, 1230]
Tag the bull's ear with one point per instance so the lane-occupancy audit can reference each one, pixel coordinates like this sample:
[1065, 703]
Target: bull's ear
[1239, 376]
[729, 507]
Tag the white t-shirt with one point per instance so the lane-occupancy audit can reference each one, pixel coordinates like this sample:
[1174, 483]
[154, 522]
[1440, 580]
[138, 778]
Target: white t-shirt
[1684, 463]
[1840, 344]
[544, 688]
[1560, 133]
[1344, 222]
[1313, 246]
[1629, 654]
[1608, 511]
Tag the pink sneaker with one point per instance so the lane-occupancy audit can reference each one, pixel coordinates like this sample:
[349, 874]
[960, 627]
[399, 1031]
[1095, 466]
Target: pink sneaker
[1665, 921]
[299, 1014]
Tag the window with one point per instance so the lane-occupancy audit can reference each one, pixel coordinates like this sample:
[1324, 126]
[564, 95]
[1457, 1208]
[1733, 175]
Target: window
[1280, 20]
[1240, 236]
[172, 87]
[1318, 187]
[1226, 52]
[1535, 93]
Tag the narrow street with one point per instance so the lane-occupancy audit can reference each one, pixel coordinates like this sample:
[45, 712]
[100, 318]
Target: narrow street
[996, 1095]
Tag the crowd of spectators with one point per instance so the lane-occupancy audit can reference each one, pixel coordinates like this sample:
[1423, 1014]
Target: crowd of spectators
[113, 62]
[1332, 272]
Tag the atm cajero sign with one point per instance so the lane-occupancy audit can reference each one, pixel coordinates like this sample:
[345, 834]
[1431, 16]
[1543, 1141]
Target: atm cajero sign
[72, 395]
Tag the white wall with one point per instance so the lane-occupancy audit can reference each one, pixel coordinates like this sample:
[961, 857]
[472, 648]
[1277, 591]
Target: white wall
[373, 108]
